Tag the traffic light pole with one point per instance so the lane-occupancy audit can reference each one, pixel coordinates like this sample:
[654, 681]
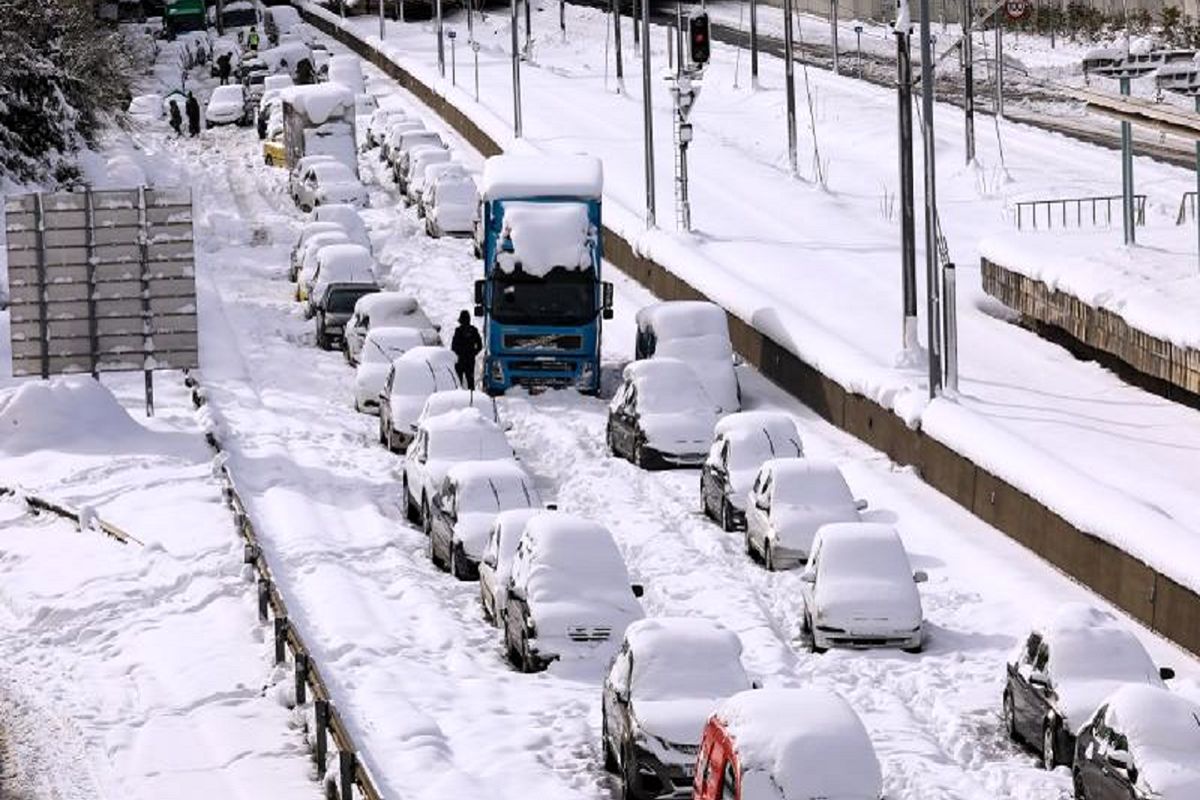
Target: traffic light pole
[754, 44]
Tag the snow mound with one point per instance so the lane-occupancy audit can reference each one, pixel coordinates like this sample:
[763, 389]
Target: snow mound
[545, 236]
[67, 414]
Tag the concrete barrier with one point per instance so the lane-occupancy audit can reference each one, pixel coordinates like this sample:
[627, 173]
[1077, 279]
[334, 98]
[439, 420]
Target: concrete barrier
[1160, 603]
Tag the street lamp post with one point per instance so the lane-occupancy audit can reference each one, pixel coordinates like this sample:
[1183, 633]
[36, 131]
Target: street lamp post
[453, 58]
[516, 69]
[648, 117]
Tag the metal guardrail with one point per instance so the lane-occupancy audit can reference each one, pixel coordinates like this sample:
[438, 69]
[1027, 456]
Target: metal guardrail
[37, 504]
[1058, 208]
[1184, 205]
[327, 722]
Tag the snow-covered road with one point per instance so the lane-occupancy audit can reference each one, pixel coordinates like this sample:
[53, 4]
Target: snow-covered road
[419, 677]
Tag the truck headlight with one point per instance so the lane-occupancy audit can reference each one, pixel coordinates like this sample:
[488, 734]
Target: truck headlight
[587, 374]
[497, 371]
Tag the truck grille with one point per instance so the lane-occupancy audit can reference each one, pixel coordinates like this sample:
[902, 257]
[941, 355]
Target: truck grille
[584, 633]
[538, 341]
[546, 365]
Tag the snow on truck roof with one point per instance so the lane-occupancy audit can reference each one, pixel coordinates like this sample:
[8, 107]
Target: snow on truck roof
[319, 102]
[807, 742]
[524, 177]
[545, 236]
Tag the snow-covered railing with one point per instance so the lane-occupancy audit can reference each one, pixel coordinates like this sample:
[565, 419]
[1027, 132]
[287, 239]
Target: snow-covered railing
[1029, 208]
[325, 722]
[85, 518]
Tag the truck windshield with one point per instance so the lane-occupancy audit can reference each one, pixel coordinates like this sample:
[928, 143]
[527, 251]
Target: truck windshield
[562, 297]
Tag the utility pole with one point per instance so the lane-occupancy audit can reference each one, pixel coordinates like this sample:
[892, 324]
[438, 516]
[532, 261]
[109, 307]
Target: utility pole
[1127, 173]
[634, 17]
[382, 32]
[754, 44]
[647, 115]
[968, 59]
[999, 22]
[932, 273]
[789, 70]
[616, 15]
[833, 35]
[516, 68]
[528, 31]
[908, 235]
[441, 50]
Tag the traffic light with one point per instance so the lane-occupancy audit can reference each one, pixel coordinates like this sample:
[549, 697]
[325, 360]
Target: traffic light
[698, 44]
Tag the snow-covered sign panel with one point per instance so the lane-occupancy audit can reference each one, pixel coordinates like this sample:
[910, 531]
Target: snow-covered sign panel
[101, 281]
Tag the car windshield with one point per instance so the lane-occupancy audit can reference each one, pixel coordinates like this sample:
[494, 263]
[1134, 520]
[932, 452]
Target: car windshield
[671, 393]
[493, 495]
[341, 301]
[1073, 657]
[563, 297]
[227, 94]
[863, 558]
[470, 444]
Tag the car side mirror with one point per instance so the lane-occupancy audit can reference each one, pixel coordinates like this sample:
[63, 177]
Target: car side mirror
[808, 577]
[920, 576]
[552, 506]
[1166, 673]
[508, 426]
[761, 504]
[1039, 679]
[421, 459]
[638, 589]
[622, 695]
[479, 288]
[606, 313]
[860, 505]
[1118, 759]
[756, 684]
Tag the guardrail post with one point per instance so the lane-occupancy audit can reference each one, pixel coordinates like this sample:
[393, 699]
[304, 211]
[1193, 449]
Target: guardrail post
[264, 599]
[249, 551]
[301, 679]
[281, 625]
[347, 762]
[321, 709]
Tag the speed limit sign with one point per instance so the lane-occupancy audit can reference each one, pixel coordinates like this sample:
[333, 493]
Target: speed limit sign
[1017, 9]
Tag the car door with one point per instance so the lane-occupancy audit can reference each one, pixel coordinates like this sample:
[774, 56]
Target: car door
[442, 524]
[622, 421]
[1020, 690]
[487, 571]
[385, 396]
[1116, 782]
[1034, 701]
[616, 700]
[710, 477]
[1090, 754]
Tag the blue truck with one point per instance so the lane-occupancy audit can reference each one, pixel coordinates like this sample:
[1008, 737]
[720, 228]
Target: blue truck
[541, 298]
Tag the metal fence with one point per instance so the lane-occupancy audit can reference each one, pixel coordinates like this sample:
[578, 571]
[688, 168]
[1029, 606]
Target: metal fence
[1078, 210]
[102, 281]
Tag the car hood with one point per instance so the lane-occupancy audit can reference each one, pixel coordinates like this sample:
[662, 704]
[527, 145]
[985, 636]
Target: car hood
[371, 377]
[341, 190]
[472, 530]
[868, 605]
[676, 723]
[225, 108]
[691, 433]
[1170, 776]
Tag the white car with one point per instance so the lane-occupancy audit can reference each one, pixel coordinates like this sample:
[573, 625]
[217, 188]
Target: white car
[413, 378]
[400, 154]
[455, 399]
[790, 500]
[420, 159]
[496, 566]
[660, 416]
[742, 442]
[299, 170]
[442, 442]
[146, 107]
[696, 332]
[381, 347]
[860, 589]
[569, 594]
[275, 83]
[450, 202]
[348, 217]
[329, 182]
[227, 106]
[307, 258]
[346, 69]
[378, 124]
[387, 309]
[667, 679]
[307, 231]
[339, 263]
[433, 174]
[470, 497]
[393, 137]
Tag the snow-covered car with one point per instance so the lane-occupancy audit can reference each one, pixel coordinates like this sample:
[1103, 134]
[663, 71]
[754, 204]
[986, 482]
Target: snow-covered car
[280, 20]
[496, 565]
[346, 69]
[348, 217]
[450, 202]
[273, 83]
[860, 589]
[301, 167]
[393, 138]
[400, 154]
[386, 309]
[742, 442]
[696, 332]
[455, 399]
[433, 173]
[569, 594]
[343, 263]
[440, 443]
[381, 347]
[419, 160]
[227, 106]
[307, 232]
[286, 56]
[379, 122]
[462, 511]
[365, 104]
[269, 107]
[1062, 672]
[413, 377]
[329, 182]
[333, 306]
[307, 258]
[786, 744]
[662, 687]
[146, 107]
[660, 416]
[1143, 743]
[791, 498]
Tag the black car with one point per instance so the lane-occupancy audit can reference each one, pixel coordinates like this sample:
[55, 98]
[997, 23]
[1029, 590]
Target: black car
[334, 308]
[1064, 671]
[661, 416]
[742, 442]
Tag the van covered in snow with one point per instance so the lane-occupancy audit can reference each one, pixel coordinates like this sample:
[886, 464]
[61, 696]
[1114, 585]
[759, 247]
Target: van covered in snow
[541, 296]
[319, 119]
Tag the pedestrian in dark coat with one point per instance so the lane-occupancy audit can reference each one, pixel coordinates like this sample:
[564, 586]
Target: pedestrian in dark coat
[224, 68]
[193, 115]
[304, 72]
[466, 345]
[176, 118]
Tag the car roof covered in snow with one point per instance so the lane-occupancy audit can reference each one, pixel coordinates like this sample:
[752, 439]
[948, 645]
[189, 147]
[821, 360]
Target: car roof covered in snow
[573, 559]
[682, 657]
[864, 549]
[683, 319]
[660, 371]
[347, 256]
[545, 236]
[391, 338]
[387, 303]
[446, 169]
[508, 177]
[1089, 643]
[808, 481]
[464, 432]
[423, 370]
[1163, 730]
[778, 426]
[332, 172]
[319, 102]
[227, 94]
[808, 742]
[452, 399]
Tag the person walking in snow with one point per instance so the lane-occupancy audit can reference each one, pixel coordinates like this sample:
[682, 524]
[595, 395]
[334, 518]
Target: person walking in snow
[252, 39]
[176, 119]
[224, 68]
[466, 345]
[193, 115]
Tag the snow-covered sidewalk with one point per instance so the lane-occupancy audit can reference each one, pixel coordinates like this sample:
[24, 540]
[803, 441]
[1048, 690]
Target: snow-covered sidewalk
[816, 267]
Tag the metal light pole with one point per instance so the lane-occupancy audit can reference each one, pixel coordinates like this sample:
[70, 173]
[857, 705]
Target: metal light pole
[562, 18]
[471, 21]
[341, 9]
[999, 22]
[932, 276]
[858, 29]
[528, 31]
[833, 32]
[441, 50]
[475, 53]
[634, 18]
[516, 66]
[1127, 173]
[790, 75]
[453, 58]
[968, 59]
[616, 15]
[382, 32]
[647, 116]
[908, 235]
[754, 44]
[1196, 207]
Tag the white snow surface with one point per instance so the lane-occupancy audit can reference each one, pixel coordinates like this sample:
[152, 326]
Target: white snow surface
[516, 177]
[546, 236]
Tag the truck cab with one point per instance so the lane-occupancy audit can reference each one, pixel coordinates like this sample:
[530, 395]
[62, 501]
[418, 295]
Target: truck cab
[541, 298]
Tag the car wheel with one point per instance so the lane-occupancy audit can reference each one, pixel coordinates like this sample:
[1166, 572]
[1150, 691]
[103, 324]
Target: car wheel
[1077, 782]
[611, 441]
[1010, 716]
[628, 773]
[750, 546]
[410, 509]
[769, 556]
[1050, 745]
[610, 760]
[639, 455]
[425, 521]
[812, 636]
[456, 568]
[727, 516]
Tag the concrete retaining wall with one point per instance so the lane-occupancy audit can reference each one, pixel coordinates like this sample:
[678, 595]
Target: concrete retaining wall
[1157, 601]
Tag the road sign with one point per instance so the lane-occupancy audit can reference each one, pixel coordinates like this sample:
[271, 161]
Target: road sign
[102, 281]
[1017, 10]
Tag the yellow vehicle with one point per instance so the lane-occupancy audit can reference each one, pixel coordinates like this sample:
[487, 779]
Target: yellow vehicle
[273, 153]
